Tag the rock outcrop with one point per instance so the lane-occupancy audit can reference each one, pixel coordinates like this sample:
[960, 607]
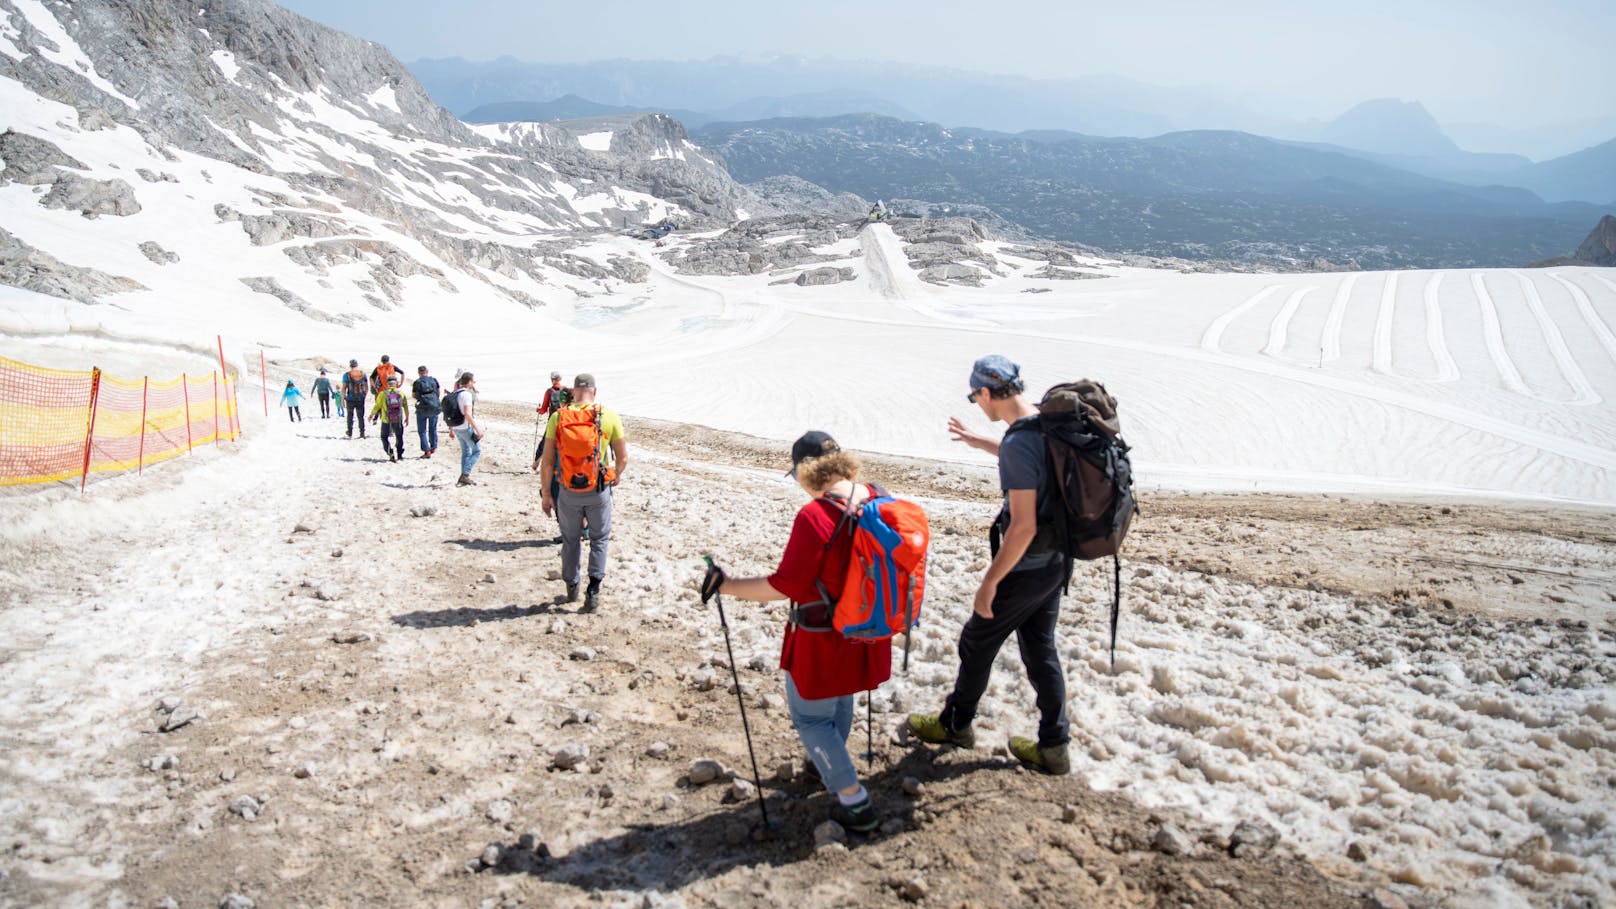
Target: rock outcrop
[23, 266]
[1600, 247]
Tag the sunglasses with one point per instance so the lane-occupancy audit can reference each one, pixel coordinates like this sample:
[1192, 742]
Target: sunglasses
[971, 398]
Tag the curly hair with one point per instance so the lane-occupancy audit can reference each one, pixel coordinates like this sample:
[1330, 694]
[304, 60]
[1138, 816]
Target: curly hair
[822, 472]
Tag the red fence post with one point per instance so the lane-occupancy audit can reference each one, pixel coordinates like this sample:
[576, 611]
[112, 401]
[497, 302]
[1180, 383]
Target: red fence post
[185, 387]
[263, 381]
[89, 431]
[140, 459]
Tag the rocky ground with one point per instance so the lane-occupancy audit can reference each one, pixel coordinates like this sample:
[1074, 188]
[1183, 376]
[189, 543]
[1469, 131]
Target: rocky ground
[376, 698]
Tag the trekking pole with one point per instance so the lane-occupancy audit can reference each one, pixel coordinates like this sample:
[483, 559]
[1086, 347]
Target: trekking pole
[869, 727]
[757, 779]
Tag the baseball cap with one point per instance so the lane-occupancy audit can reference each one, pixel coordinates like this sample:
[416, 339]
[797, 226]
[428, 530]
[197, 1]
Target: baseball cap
[994, 371]
[813, 444]
[353, 362]
[420, 369]
[583, 380]
[555, 375]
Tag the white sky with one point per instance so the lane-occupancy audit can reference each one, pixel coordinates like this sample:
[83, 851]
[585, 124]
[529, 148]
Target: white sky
[1499, 61]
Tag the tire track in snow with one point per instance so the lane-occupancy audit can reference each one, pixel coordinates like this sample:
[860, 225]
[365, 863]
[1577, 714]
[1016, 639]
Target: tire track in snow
[1446, 369]
[1493, 332]
[1381, 359]
[1279, 329]
[1569, 367]
[1212, 340]
[1330, 343]
[1585, 305]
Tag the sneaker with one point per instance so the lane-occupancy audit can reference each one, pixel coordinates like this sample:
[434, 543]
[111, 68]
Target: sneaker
[425, 455]
[928, 727]
[860, 818]
[572, 594]
[1051, 760]
[466, 481]
[592, 595]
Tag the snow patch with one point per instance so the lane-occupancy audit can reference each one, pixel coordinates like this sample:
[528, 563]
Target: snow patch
[601, 141]
[385, 97]
[226, 63]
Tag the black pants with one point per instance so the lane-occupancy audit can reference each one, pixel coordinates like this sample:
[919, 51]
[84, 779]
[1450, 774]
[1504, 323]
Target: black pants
[325, 406]
[1028, 605]
[393, 437]
[356, 412]
[294, 413]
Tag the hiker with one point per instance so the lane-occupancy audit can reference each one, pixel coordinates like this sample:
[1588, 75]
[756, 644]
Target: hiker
[322, 391]
[383, 371]
[292, 400]
[460, 413]
[824, 670]
[555, 396]
[426, 391]
[353, 389]
[392, 410]
[1021, 591]
[582, 434]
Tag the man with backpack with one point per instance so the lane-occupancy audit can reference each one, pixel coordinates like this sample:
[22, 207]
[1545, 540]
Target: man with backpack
[384, 371]
[591, 454]
[392, 409]
[353, 391]
[460, 413]
[427, 408]
[1021, 591]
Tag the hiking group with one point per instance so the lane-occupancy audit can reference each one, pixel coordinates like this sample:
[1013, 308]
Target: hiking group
[853, 567]
[853, 570]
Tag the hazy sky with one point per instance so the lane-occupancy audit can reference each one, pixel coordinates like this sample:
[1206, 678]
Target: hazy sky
[1510, 62]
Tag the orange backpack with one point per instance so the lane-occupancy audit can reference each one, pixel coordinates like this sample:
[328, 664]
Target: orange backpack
[578, 440]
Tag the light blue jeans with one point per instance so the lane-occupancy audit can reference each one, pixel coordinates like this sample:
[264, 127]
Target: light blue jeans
[823, 726]
[470, 450]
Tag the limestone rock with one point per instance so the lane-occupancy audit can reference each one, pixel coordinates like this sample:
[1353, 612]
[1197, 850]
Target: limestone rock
[92, 197]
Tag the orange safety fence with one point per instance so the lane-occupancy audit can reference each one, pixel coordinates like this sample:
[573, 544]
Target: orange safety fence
[58, 424]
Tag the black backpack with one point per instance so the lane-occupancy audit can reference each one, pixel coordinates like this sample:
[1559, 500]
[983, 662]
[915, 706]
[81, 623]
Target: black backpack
[1088, 504]
[426, 393]
[452, 416]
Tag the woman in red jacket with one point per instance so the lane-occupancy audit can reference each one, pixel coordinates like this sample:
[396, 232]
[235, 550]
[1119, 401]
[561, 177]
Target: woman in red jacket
[823, 669]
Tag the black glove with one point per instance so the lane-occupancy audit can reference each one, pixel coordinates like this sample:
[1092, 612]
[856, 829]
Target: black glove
[712, 581]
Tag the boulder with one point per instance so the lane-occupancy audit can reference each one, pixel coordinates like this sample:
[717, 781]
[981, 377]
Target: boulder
[92, 197]
[815, 277]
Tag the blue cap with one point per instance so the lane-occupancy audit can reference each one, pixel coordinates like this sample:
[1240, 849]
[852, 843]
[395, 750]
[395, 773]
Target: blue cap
[995, 371]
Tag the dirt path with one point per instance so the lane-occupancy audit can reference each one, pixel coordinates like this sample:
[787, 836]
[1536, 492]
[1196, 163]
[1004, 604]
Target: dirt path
[393, 697]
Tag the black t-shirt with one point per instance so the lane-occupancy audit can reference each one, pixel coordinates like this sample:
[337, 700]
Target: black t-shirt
[1021, 466]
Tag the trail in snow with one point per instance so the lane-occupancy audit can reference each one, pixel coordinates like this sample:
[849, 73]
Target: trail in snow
[1493, 332]
[1212, 340]
[1280, 327]
[1381, 358]
[1585, 306]
[1446, 369]
[1569, 367]
[1330, 343]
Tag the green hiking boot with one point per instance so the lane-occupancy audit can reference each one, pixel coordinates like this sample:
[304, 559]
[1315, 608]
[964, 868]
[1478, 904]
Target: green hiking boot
[1051, 760]
[928, 727]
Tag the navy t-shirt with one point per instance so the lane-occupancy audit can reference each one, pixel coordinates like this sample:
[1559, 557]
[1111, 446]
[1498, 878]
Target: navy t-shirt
[1021, 466]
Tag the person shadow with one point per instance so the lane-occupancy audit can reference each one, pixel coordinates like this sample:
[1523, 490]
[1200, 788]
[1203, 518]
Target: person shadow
[671, 856]
[501, 545]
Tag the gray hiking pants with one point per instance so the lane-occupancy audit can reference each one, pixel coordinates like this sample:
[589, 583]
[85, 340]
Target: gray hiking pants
[572, 508]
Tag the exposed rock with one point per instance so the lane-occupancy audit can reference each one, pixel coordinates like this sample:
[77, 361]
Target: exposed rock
[786, 194]
[741, 790]
[816, 277]
[657, 750]
[500, 811]
[569, 757]
[351, 637]
[1600, 247]
[155, 252]
[92, 197]
[236, 901]
[829, 832]
[23, 266]
[151, 176]
[280, 226]
[582, 654]
[294, 302]
[32, 161]
[914, 890]
[180, 718]
[423, 511]
[705, 770]
[1172, 841]
[1252, 839]
[952, 274]
[913, 787]
[246, 807]
[1381, 898]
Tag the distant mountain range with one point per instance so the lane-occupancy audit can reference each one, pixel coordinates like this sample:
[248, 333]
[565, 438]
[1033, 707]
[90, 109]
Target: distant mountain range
[1197, 195]
[732, 89]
